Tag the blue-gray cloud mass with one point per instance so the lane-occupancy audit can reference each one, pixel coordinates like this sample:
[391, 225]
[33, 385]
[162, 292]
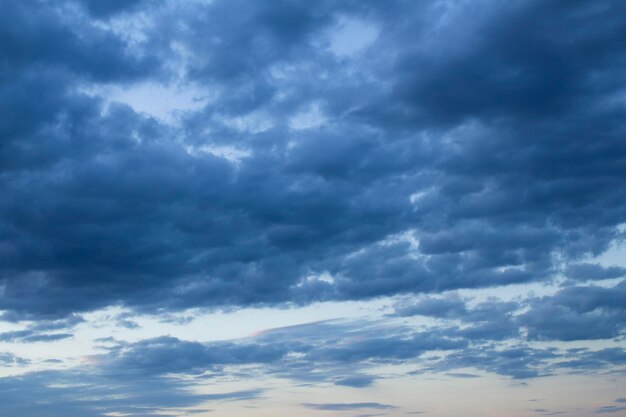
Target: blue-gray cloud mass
[466, 145]
[501, 154]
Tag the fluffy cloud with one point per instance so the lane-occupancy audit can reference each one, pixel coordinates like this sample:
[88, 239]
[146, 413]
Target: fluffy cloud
[578, 312]
[501, 154]
[458, 145]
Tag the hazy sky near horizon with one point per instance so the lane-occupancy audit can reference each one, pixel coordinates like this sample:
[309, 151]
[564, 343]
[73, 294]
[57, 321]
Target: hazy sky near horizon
[312, 208]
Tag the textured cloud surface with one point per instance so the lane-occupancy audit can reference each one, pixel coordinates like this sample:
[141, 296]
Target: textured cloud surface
[445, 157]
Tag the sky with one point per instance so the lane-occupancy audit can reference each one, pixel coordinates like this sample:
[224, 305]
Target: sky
[349, 208]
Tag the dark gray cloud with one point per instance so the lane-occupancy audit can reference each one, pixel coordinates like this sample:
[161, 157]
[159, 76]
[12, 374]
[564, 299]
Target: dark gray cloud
[345, 354]
[453, 153]
[28, 336]
[577, 312]
[37, 42]
[42, 331]
[104, 9]
[588, 272]
[448, 307]
[574, 312]
[488, 320]
[165, 355]
[470, 145]
[340, 353]
[83, 392]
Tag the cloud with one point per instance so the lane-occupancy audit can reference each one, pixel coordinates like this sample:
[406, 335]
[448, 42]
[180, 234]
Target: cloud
[474, 159]
[165, 355]
[27, 336]
[348, 406]
[574, 312]
[587, 271]
[110, 8]
[462, 375]
[371, 415]
[9, 360]
[151, 376]
[42, 331]
[335, 352]
[585, 359]
[577, 313]
[547, 412]
[460, 146]
[519, 362]
[356, 381]
[81, 392]
[609, 409]
[347, 353]
[449, 307]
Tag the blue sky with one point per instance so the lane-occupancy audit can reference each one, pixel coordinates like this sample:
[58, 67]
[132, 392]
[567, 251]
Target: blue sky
[331, 208]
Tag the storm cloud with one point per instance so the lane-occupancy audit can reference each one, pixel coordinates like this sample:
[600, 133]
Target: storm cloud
[401, 181]
[208, 157]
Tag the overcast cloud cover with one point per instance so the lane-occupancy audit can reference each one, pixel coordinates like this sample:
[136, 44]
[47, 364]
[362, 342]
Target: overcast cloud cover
[411, 198]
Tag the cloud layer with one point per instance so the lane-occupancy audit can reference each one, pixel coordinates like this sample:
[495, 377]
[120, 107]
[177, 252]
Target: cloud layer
[316, 152]
[501, 160]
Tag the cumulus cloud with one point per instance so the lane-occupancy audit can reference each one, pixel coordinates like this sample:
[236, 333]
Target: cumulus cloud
[577, 312]
[496, 157]
[456, 146]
